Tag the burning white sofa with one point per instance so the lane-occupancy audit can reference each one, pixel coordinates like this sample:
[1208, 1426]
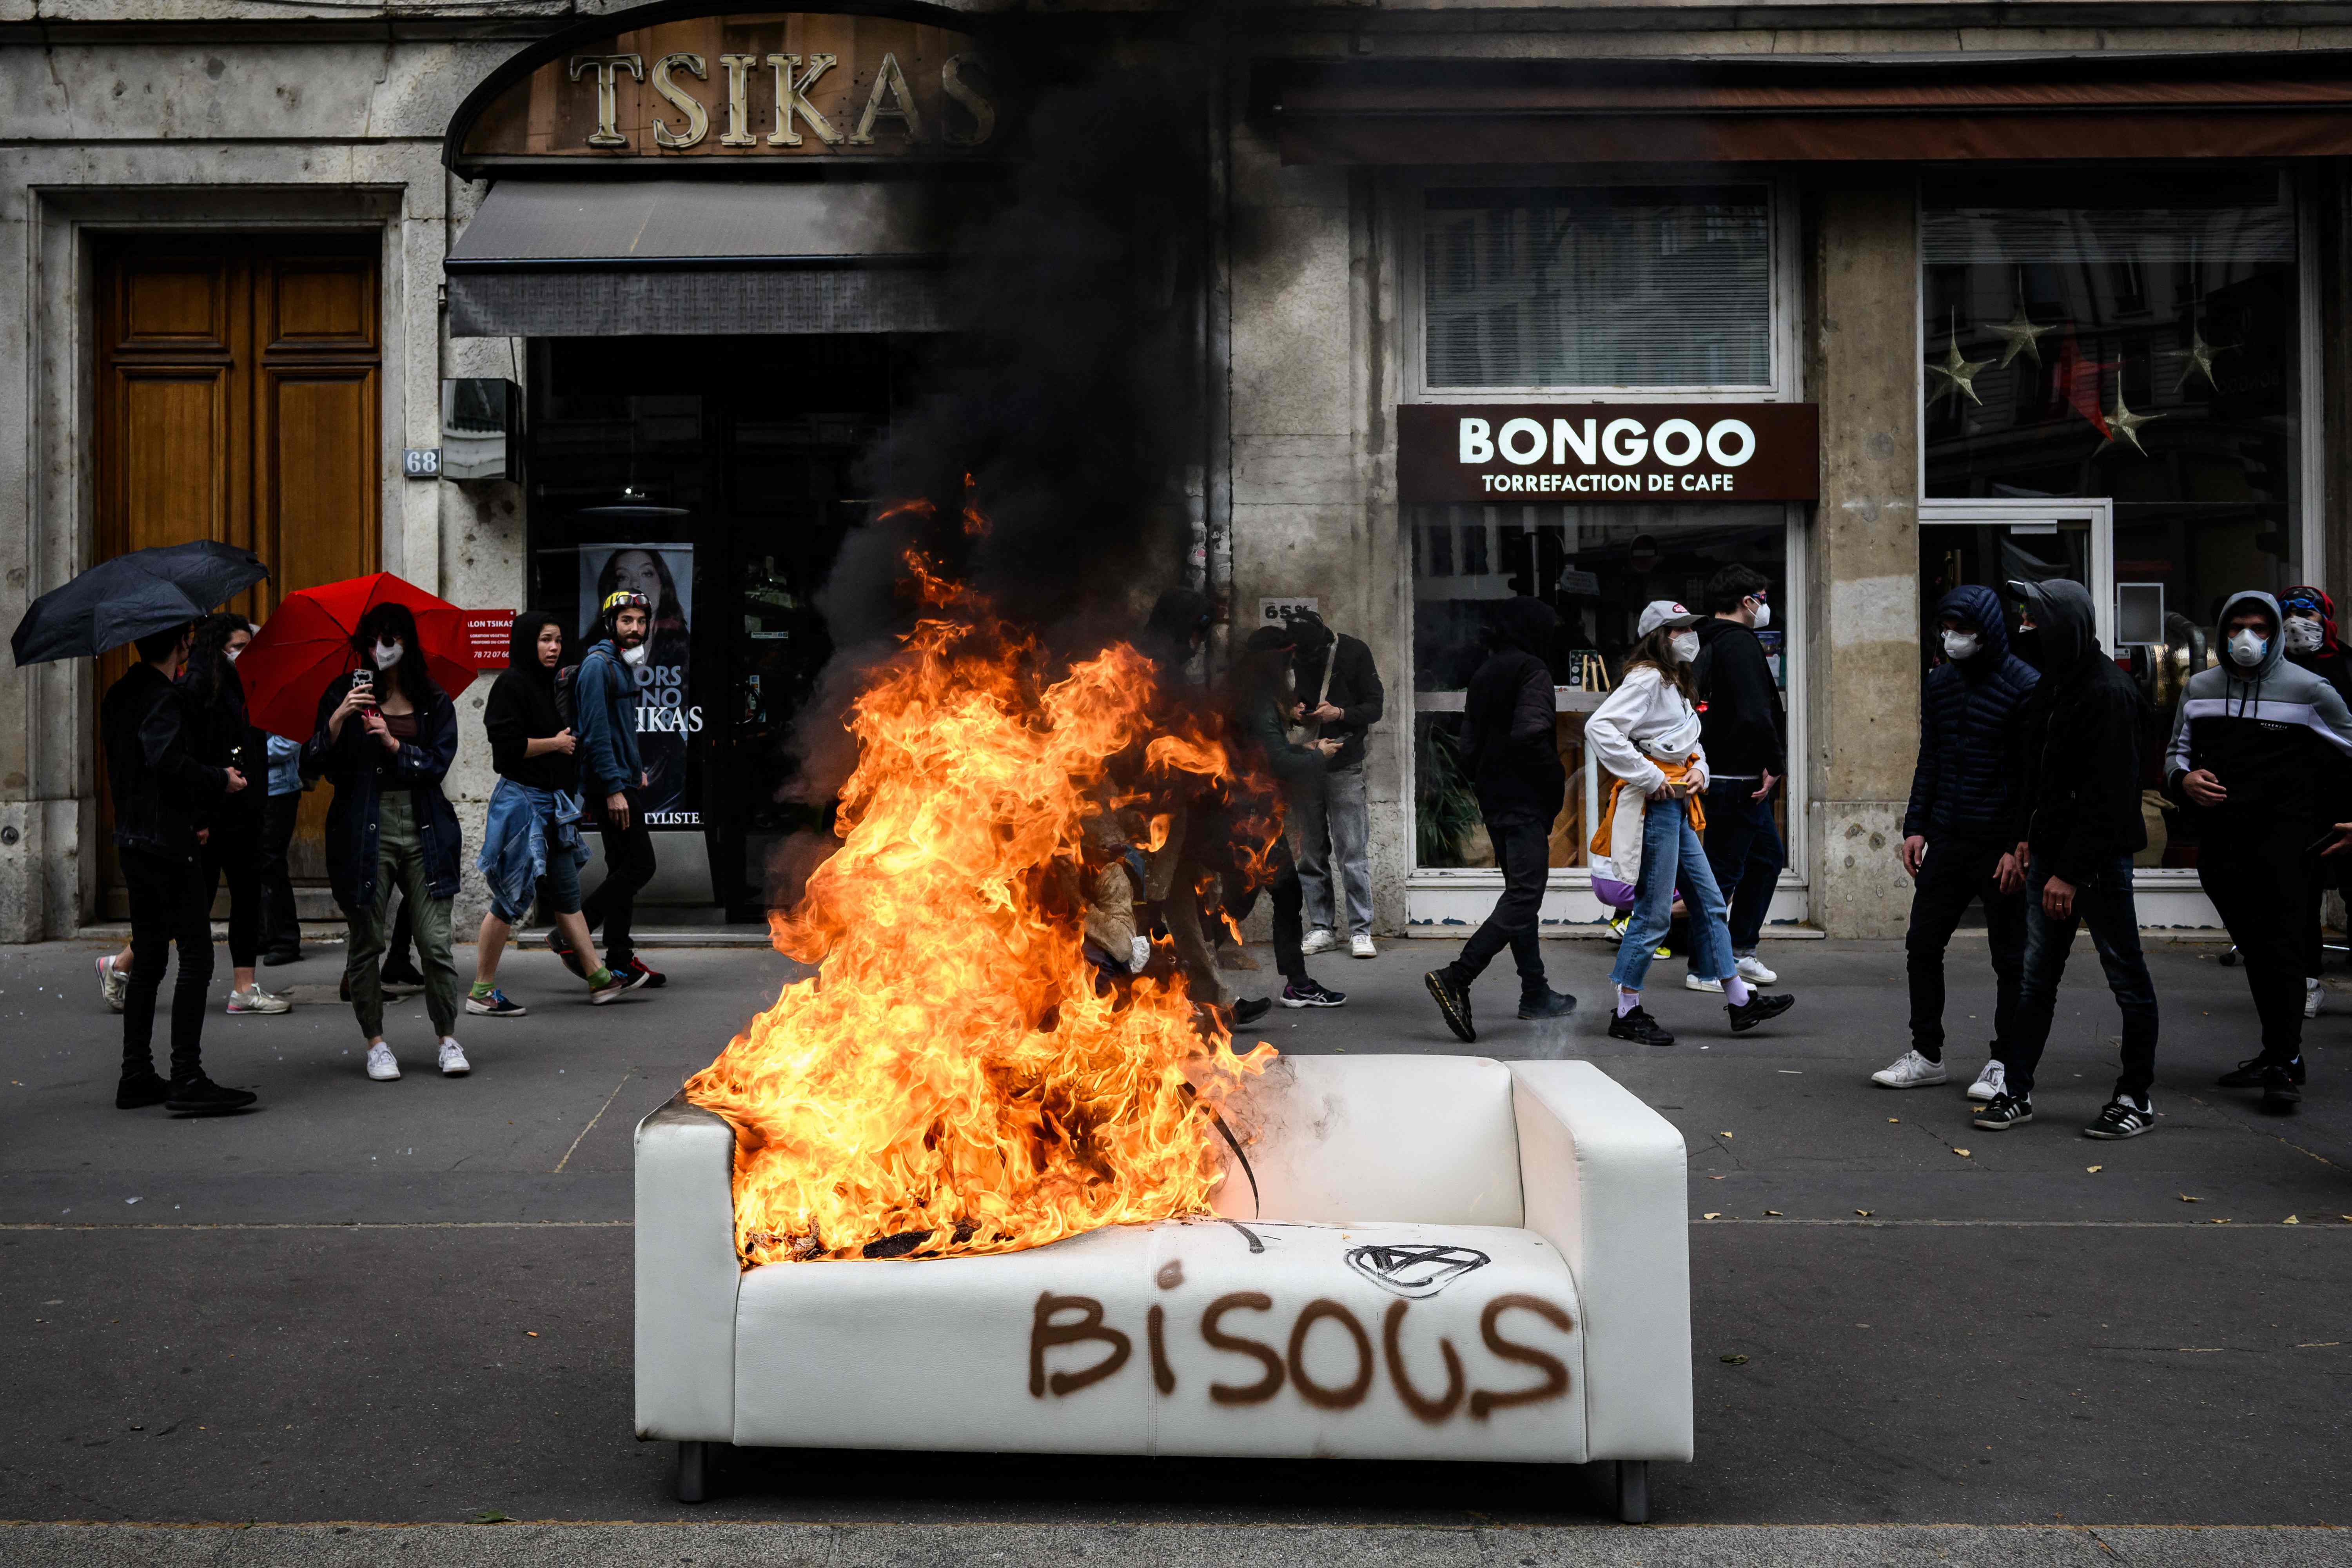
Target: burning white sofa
[1425, 1257]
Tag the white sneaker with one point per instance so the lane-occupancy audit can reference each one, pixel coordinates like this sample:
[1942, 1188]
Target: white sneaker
[1361, 945]
[2313, 992]
[254, 999]
[1990, 1083]
[1752, 970]
[453, 1059]
[113, 986]
[1691, 981]
[1911, 1070]
[380, 1063]
[1318, 941]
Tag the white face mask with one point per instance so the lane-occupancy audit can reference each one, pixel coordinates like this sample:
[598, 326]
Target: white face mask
[1685, 646]
[233, 652]
[2248, 648]
[1763, 617]
[633, 656]
[1961, 644]
[2303, 635]
[388, 654]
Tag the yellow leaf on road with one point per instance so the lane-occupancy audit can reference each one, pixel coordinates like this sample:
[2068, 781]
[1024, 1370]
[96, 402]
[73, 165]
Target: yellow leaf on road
[1863, 1213]
[2187, 1199]
[1710, 1216]
[2291, 1220]
[2095, 1170]
[1963, 1153]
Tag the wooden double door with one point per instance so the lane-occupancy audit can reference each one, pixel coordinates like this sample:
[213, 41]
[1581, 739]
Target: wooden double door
[239, 389]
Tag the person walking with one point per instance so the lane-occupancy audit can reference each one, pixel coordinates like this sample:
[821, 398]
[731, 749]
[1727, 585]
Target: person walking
[2309, 637]
[2082, 798]
[282, 927]
[385, 737]
[2258, 754]
[1339, 688]
[1647, 735]
[1961, 830]
[604, 720]
[1510, 749]
[1260, 708]
[162, 790]
[532, 839]
[1744, 727]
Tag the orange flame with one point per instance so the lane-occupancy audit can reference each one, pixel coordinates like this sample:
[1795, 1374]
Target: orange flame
[956, 1079]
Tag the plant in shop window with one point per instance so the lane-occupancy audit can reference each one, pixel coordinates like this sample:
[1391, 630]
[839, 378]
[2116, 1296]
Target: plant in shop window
[1445, 808]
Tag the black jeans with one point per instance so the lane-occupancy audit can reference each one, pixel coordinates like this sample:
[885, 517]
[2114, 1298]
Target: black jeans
[281, 930]
[1523, 849]
[1289, 898]
[170, 904]
[1955, 872]
[628, 866]
[234, 850]
[2105, 904]
[2260, 881]
[1743, 849]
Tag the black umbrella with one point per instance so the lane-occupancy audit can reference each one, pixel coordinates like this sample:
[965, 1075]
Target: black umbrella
[121, 600]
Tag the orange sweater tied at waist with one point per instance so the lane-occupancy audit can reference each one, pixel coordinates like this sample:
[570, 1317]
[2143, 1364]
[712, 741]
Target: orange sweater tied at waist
[1676, 773]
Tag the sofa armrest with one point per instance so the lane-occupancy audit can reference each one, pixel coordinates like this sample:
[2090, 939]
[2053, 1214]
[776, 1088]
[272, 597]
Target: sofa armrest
[687, 1275]
[1606, 1183]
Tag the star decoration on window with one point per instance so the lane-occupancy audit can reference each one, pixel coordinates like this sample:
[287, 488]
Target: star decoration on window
[1959, 374]
[2201, 359]
[2123, 425]
[2022, 336]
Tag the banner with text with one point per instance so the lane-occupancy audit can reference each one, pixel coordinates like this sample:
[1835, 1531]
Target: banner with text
[668, 718]
[1600, 452]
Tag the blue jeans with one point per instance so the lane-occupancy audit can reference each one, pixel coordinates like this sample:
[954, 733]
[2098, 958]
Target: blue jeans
[1671, 856]
[2105, 904]
[1743, 847]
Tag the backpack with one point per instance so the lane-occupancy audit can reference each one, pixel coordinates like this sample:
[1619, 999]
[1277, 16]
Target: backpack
[565, 705]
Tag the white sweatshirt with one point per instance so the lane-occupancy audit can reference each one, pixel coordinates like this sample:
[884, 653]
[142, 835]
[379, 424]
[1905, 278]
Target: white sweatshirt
[1646, 717]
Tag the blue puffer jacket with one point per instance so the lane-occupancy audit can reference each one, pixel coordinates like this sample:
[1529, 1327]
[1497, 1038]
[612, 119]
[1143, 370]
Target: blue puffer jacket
[1968, 783]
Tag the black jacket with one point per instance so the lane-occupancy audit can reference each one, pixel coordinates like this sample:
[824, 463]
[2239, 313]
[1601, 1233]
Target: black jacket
[1742, 721]
[1510, 744]
[1355, 686]
[223, 736]
[521, 708]
[2082, 742]
[1969, 781]
[163, 788]
[351, 761]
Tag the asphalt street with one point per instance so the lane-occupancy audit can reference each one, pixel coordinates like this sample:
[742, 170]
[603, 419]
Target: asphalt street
[368, 1305]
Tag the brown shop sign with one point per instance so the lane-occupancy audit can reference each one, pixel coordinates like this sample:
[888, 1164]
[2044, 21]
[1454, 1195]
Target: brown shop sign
[1586, 453]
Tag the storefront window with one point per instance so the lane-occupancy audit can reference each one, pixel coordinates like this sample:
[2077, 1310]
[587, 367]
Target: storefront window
[1597, 566]
[2132, 337]
[1600, 286]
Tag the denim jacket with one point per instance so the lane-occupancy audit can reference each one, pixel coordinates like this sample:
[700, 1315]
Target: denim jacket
[604, 717]
[349, 762]
[515, 844]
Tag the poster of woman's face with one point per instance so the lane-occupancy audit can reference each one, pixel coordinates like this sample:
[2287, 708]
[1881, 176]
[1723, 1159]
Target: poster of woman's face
[668, 717]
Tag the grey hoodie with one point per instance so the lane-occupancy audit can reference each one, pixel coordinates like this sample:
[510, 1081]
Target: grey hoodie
[2278, 736]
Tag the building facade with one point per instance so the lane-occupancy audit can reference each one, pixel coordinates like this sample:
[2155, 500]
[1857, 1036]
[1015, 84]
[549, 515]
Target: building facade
[1582, 302]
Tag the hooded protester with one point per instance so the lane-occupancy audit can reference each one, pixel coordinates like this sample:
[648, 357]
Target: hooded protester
[2258, 754]
[1961, 830]
[613, 774]
[2311, 642]
[1340, 695]
[1510, 749]
[530, 846]
[1648, 734]
[2081, 797]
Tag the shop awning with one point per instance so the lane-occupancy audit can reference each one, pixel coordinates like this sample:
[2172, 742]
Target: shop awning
[1880, 109]
[588, 258]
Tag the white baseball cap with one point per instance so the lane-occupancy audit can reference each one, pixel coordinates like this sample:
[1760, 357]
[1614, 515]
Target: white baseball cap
[1664, 613]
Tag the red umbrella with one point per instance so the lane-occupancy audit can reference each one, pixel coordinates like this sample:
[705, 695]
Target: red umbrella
[308, 643]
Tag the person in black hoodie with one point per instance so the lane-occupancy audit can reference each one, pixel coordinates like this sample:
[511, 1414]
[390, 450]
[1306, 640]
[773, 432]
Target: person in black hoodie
[531, 845]
[1961, 829]
[1510, 750]
[1340, 688]
[163, 789]
[2310, 644]
[1744, 726]
[2083, 825]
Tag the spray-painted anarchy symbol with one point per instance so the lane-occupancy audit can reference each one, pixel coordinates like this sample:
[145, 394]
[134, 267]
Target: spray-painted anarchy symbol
[1417, 1270]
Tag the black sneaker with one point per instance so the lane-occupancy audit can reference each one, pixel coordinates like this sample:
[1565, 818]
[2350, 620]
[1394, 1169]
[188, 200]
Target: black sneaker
[2002, 1113]
[2121, 1119]
[276, 956]
[1248, 1010]
[1756, 1009]
[200, 1096]
[646, 977]
[2282, 1090]
[1307, 994]
[1452, 1000]
[497, 1004]
[1550, 1004]
[556, 945]
[140, 1089]
[400, 982]
[2249, 1074]
[1640, 1027]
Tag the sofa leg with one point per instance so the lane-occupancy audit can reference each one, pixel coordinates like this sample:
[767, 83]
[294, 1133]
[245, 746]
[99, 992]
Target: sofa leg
[1634, 1490]
[693, 1471]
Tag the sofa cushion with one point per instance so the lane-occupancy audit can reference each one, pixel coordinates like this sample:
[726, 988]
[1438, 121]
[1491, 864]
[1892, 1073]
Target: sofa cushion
[1214, 1337]
[1330, 1140]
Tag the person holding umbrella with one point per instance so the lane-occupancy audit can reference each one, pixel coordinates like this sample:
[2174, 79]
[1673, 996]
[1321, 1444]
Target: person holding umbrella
[385, 736]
